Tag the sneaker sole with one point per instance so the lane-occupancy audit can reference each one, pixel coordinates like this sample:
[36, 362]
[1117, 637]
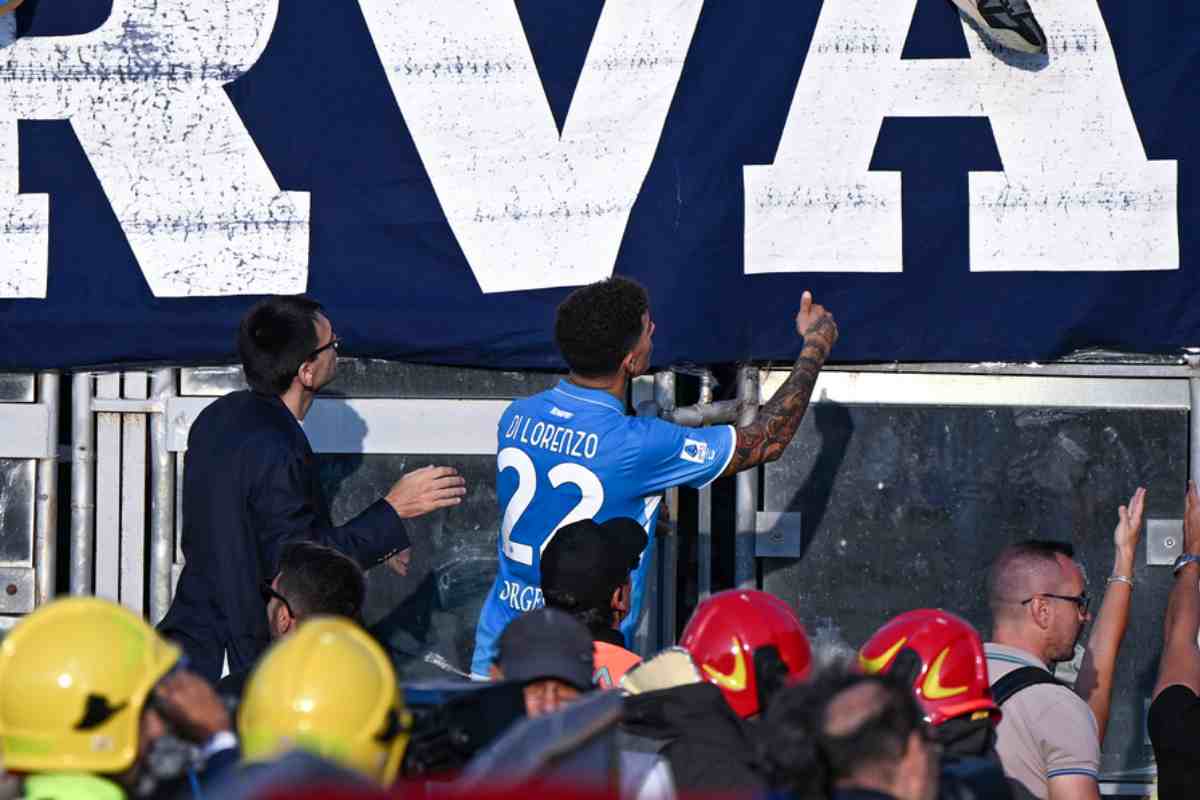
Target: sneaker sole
[1002, 36]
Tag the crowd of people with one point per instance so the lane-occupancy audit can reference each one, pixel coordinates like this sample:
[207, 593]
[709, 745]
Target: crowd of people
[94, 703]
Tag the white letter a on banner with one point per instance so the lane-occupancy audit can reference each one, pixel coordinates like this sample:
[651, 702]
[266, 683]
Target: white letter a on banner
[1077, 192]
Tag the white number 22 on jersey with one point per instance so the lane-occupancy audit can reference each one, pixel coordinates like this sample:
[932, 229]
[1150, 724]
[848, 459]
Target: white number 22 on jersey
[590, 489]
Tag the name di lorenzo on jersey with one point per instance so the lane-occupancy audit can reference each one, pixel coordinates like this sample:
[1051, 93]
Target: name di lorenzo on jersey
[553, 438]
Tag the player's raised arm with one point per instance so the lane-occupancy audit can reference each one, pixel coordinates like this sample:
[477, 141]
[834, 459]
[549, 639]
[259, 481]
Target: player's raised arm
[764, 439]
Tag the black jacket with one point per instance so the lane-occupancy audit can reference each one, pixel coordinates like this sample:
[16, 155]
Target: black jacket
[710, 749]
[250, 484]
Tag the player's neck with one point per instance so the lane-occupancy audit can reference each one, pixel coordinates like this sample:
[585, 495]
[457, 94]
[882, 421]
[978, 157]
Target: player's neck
[617, 385]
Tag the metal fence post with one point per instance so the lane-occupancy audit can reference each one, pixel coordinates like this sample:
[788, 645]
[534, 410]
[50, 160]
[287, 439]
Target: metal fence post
[664, 398]
[83, 484]
[704, 513]
[1192, 356]
[45, 548]
[162, 498]
[745, 570]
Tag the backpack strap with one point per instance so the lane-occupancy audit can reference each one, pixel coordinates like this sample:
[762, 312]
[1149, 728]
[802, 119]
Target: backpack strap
[1020, 679]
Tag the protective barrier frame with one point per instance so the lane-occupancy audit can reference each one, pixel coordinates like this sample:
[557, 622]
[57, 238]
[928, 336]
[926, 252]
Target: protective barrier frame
[29, 431]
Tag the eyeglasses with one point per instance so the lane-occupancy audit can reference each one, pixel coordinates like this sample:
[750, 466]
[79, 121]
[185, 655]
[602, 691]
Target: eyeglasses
[268, 593]
[1081, 601]
[335, 343]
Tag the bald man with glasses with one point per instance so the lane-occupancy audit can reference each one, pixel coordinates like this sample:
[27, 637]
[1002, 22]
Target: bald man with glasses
[1049, 737]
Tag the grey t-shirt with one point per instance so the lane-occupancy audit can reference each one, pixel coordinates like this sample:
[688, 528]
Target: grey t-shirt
[1046, 731]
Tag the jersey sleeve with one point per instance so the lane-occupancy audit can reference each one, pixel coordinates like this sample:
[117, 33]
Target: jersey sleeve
[672, 455]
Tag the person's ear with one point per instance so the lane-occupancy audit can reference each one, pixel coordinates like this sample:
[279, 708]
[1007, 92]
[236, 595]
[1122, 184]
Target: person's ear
[1040, 609]
[620, 598]
[306, 375]
[284, 621]
[629, 364]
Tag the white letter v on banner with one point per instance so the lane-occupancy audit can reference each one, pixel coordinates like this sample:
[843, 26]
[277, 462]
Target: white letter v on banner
[531, 209]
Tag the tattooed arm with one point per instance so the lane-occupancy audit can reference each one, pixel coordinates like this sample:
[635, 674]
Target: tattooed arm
[765, 439]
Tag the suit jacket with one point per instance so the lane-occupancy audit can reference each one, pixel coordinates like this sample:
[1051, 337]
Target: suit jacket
[250, 484]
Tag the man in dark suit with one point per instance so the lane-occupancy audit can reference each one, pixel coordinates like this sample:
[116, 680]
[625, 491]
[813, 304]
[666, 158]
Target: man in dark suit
[250, 484]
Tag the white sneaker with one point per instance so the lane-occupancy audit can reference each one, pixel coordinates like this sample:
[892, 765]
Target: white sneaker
[1010, 23]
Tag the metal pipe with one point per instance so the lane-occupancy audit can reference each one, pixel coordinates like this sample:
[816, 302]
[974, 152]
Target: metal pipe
[704, 511]
[745, 569]
[120, 405]
[83, 485]
[45, 535]
[705, 413]
[162, 499]
[647, 634]
[664, 398]
[1034, 369]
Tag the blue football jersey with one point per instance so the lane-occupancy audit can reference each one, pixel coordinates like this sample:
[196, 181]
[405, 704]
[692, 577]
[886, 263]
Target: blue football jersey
[572, 453]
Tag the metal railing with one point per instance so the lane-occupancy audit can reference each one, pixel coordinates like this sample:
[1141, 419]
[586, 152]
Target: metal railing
[129, 430]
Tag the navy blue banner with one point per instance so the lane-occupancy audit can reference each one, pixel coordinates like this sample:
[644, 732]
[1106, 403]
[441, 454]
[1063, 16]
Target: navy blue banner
[440, 173]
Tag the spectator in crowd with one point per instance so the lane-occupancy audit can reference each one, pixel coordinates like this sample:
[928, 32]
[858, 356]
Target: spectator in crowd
[551, 653]
[329, 690]
[250, 484]
[1037, 593]
[848, 736]
[586, 573]
[746, 645]
[1174, 721]
[574, 443]
[1009, 23]
[1048, 739]
[941, 656]
[94, 703]
[313, 580]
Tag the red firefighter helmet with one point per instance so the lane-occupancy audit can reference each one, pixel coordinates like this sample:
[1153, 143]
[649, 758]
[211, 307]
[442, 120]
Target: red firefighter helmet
[949, 671]
[748, 643]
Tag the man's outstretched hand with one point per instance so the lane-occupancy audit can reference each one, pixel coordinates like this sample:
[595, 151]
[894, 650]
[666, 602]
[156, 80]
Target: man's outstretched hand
[1129, 522]
[815, 324]
[426, 489]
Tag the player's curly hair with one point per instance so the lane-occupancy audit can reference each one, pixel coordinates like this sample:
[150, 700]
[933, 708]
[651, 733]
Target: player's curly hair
[597, 325]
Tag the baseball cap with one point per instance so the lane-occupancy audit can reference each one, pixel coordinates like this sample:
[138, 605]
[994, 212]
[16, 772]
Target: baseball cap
[547, 644]
[590, 559]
